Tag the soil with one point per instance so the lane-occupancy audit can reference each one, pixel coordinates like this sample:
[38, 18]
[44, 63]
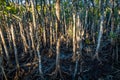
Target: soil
[88, 69]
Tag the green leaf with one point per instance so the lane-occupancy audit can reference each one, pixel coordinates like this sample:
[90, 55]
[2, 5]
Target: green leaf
[5, 12]
[8, 8]
[38, 7]
[87, 41]
[113, 35]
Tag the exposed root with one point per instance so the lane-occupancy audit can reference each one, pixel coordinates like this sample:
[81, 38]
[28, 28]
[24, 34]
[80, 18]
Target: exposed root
[56, 72]
[4, 73]
[50, 53]
[76, 65]
[42, 77]
[96, 56]
[50, 68]
[74, 57]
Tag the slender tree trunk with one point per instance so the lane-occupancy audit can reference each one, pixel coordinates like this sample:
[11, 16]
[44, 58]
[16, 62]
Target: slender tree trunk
[58, 18]
[86, 18]
[58, 57]
[4, 44]
[23, 37]
[79, 35]
[54, 36]
[58, 33]
[39, 55]
[51, 25]
[65, 29]
[99, 38]
[3, 72]
[28, 38]
[78, 32]
[93, 32]
[50, 35]
[74, 38]
[58, 54]
[9, 36]
[100, 33]
[117, 47]
[33, 14]
[44, 35]
[76, 65]
[14, 46]
[112, 22]
[1, 61]
[31, 36]
[58, 39]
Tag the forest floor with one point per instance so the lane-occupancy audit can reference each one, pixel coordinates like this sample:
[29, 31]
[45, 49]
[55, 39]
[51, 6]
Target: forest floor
[108, 68]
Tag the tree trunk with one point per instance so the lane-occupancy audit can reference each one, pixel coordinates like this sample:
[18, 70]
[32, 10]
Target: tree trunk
[14, 46]
[58, 18]
[31, 36]
[74, 38]
[44, 35]
[23, 37]
[4, 44]
[1, 62]
[50, 35]
[100, 33]
[33, 14]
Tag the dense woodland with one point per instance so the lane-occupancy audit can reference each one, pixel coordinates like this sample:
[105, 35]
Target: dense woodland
[59, 39]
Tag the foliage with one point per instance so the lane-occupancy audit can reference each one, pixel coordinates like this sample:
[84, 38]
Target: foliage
[113, 35]
[87, 41]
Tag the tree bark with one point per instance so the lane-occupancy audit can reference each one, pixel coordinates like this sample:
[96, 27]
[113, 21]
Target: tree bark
[33, 14]
[4, 44]
[58, 18]
[14, 46]
[31, 36]
[100, 33]
[74, 38]
[1, 61]
[23, 37]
